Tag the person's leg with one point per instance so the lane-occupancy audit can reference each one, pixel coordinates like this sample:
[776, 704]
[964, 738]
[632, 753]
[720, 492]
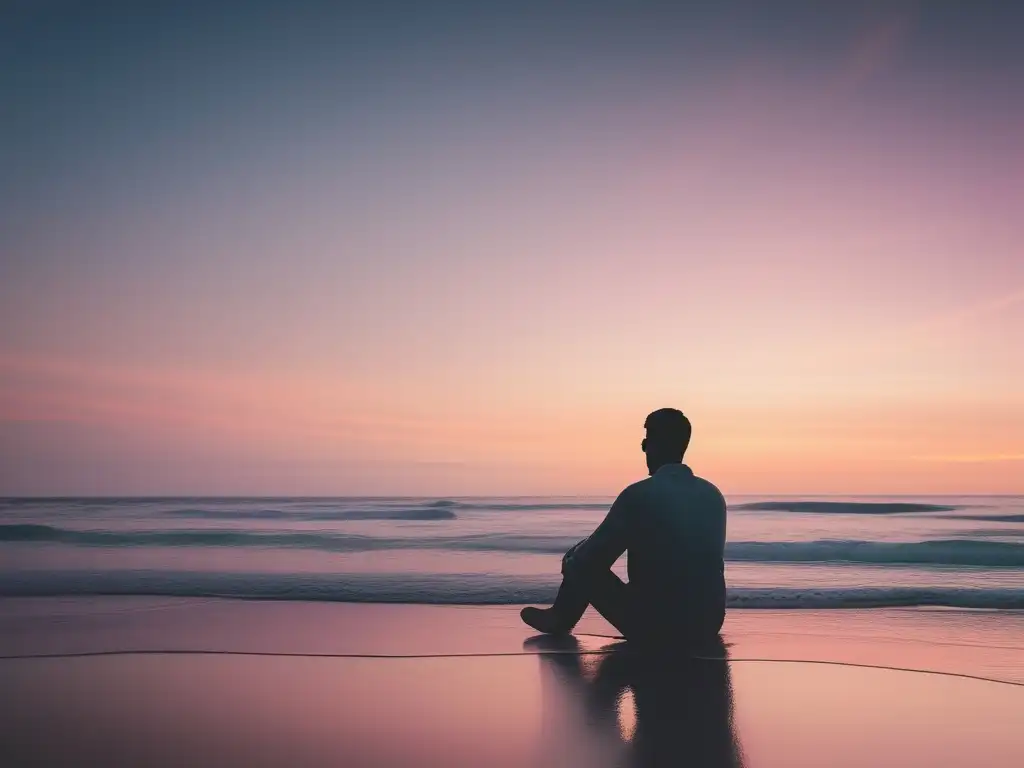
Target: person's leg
[564, 613]
[569, 605]
[610, 597]
[605, 591]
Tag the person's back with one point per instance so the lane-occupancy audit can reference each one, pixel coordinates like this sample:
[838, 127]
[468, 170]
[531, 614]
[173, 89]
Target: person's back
[672, 525]
[675, 557]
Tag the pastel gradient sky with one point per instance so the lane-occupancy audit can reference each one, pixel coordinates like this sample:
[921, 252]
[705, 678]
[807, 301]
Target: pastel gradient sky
[268, 248]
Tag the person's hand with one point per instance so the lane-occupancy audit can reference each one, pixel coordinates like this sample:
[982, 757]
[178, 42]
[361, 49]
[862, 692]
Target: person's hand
[567, 557]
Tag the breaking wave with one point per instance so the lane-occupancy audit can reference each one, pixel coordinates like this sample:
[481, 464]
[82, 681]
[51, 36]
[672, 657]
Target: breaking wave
[962, 552]
[955, 552]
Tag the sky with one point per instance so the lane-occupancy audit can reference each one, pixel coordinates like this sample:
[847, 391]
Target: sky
[465, 248]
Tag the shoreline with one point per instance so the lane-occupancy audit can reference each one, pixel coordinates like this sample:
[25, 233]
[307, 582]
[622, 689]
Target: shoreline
[975, 642]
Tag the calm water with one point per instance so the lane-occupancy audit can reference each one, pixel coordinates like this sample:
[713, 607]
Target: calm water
[782, 552]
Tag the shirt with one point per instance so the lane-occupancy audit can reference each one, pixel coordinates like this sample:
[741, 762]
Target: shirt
[672, 525]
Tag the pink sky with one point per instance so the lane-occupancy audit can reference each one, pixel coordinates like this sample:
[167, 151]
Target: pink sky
[486, 290]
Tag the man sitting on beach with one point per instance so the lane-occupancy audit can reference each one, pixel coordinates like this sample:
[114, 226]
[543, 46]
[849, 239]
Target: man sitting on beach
[673, 526]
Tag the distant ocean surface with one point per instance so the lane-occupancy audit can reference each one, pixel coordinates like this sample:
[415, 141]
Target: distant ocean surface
[807, 552]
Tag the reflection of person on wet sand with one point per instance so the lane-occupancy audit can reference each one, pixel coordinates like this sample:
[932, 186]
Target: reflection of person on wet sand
[682, 706]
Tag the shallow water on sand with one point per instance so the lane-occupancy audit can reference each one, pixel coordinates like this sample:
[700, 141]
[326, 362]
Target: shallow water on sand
[205, 682]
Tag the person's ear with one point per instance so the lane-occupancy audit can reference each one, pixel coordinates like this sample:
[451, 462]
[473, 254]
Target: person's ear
[643, 445]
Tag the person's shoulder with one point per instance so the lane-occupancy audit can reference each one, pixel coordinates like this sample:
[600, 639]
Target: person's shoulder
[710, 491]
[635, 492]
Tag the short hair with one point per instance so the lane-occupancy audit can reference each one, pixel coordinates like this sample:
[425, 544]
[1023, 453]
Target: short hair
[669, 429]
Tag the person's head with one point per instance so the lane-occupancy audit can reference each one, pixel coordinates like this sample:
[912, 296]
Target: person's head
[668, 435]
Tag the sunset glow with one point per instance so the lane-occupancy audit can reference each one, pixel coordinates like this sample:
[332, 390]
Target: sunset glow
[467, 256]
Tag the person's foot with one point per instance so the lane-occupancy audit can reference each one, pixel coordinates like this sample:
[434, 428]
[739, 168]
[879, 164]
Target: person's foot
[544, 620]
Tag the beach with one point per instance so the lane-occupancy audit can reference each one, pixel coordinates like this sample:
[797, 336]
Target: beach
[386, 632]
[158, 681]
[335, 335]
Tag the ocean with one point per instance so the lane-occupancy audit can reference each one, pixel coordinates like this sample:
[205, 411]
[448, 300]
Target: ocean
[792, 552]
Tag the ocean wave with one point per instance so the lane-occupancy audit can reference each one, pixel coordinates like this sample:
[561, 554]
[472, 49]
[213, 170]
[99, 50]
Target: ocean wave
[488, 506]
[294, 507]
[317, 540]
[415, 514]
[454, 589]
[440, 509]
[843, 507]
[954, 552]
[962, 552]
[989, 518]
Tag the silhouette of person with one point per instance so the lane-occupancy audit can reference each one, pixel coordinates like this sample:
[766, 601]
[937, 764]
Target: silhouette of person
[683, 706]
[672, 525]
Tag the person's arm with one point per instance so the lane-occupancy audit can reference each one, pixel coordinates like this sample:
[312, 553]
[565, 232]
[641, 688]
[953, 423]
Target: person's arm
[602, 548]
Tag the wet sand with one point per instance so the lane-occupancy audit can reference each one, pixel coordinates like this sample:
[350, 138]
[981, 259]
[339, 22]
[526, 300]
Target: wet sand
[475, 689]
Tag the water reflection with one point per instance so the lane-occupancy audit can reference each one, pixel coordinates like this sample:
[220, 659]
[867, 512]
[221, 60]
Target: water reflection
[641, 711]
